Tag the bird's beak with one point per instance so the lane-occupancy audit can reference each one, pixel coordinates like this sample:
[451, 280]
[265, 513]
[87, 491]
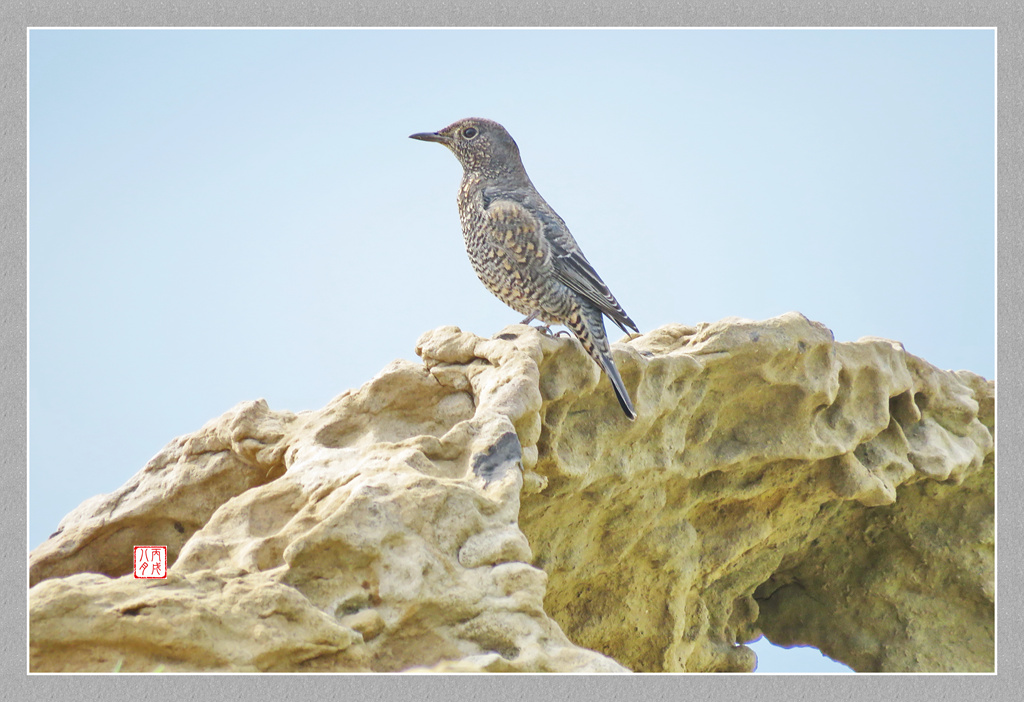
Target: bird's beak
[431, 136]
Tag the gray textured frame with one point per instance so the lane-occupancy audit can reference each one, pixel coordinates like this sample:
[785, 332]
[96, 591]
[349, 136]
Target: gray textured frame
[619, 13]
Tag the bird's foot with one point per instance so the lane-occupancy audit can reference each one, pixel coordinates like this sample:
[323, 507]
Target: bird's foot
[564, 332]
[544, 329]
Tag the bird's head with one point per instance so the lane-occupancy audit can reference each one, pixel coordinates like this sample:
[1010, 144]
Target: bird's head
[480, 145]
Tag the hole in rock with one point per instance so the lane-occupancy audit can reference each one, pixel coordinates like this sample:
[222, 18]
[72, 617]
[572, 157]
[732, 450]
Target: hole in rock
[798, 659]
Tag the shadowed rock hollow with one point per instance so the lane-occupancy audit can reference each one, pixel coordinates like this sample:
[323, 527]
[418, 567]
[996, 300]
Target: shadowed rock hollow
[491, 509]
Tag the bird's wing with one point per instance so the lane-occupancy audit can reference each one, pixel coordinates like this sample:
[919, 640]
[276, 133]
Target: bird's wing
[516, 232]
[573, 269]
[527, 226]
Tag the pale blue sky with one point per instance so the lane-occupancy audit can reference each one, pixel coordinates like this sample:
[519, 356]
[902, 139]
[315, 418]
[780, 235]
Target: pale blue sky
[224, 215]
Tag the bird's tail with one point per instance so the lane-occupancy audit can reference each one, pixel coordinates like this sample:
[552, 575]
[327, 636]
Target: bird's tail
[620, 389]
[588, 326]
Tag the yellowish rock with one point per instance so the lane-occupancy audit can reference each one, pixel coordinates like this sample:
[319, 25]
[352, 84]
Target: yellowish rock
[492, 510]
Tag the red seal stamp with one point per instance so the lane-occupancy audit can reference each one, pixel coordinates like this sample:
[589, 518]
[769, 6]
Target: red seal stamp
[150, 562]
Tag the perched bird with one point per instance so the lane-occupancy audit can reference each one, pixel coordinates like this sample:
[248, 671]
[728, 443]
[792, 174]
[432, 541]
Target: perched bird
[522, 250]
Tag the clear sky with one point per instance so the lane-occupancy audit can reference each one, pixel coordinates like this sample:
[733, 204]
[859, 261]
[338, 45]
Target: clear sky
[224, 215]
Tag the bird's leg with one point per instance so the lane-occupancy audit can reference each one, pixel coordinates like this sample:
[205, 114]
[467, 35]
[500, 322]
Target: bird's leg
[543, 328]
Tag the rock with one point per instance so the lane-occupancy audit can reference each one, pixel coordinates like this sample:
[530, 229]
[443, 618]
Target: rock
[171, 498]
[492, 510]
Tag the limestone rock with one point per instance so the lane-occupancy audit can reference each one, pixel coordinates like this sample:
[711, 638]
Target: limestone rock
[492, 510]
[171, 498]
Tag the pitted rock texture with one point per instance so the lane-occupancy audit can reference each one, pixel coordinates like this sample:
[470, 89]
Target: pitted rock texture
[491, 509]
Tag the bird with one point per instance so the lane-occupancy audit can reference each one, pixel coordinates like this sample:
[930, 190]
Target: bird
[522, 250]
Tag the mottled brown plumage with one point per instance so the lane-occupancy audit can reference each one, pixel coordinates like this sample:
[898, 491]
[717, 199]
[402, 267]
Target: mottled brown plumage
[522, 250]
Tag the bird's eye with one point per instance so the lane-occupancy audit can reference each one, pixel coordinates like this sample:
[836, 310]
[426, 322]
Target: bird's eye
[469, 132]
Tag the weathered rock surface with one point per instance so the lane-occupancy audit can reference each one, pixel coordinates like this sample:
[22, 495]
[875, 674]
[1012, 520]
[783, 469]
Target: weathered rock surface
[491, 509]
